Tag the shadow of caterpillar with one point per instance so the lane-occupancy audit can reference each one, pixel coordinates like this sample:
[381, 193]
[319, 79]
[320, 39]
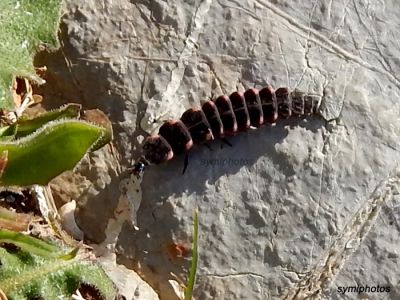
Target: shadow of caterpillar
[224, 116]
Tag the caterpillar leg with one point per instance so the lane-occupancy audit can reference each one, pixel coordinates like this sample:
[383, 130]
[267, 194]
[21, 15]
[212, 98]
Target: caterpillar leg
[225, 141]
[185, 163]
[208, 146]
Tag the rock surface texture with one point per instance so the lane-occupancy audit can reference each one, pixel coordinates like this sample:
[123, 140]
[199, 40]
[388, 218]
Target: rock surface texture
[293, 211]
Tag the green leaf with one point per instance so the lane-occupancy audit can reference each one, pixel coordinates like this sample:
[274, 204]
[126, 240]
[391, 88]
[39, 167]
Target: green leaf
[7, 133]
[195, 256]
[27, 126]
[26, 276]
[54, 148]
[25, 24]
[30, 244]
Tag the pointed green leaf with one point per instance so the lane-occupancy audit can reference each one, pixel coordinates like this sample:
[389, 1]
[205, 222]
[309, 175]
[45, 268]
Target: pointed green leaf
[27, 126]
[54, 148]
[7, 133]
[30, 244]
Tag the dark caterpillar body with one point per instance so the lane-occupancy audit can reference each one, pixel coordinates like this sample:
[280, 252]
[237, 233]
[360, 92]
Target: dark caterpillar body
[224, 116]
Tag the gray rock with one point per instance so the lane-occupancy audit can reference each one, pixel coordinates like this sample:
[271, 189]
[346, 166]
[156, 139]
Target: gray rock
[275, 209]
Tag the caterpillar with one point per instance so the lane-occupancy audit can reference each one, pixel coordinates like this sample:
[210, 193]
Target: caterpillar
[222, 117]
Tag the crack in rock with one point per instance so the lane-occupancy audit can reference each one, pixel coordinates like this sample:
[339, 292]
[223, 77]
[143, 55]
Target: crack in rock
[346, 243]
[324, 42]
[240, 274]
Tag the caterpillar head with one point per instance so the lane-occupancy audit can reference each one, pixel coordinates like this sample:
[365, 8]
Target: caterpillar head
[138, 168]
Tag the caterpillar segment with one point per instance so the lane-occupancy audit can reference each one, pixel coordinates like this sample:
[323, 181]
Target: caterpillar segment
[198, 126]
[254, 107]
[269, 105]
[240, 110]
[214, 119]
[228, 117]
[224, 116]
